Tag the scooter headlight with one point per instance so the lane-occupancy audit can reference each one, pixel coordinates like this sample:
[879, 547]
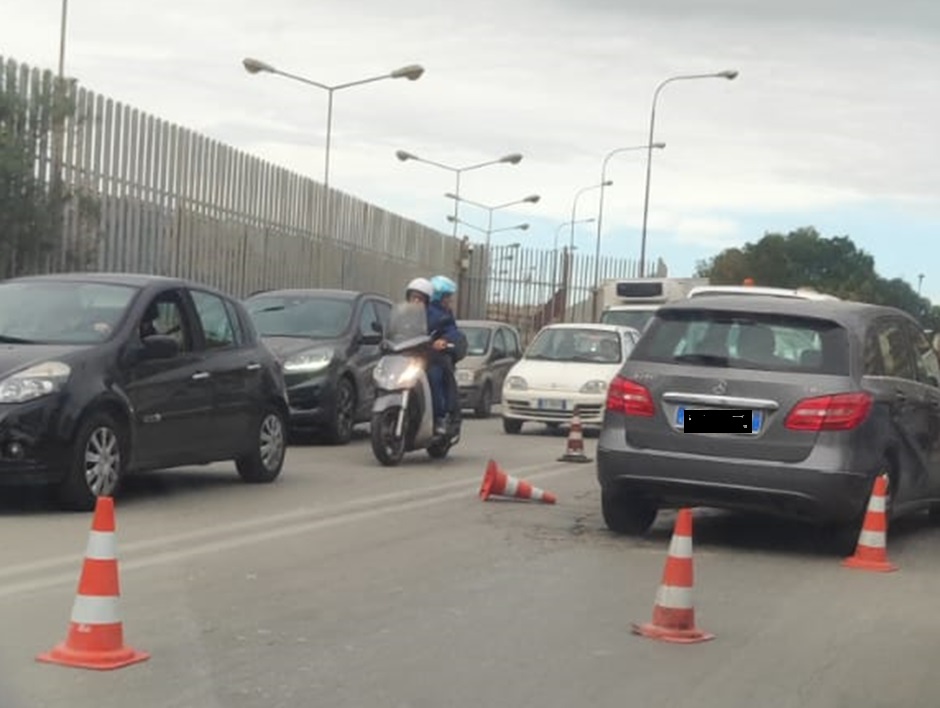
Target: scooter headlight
[392, 374]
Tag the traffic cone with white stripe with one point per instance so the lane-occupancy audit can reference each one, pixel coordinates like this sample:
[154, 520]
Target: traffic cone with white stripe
[499, 484]
[574, 447]
[871, 552]
[95, 638]
[673, 611]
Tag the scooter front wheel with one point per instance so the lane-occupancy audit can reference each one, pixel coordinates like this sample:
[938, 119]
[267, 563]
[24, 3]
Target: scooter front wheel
[388, 448]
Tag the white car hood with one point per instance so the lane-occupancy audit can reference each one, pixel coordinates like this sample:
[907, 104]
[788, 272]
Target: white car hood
[562, 376]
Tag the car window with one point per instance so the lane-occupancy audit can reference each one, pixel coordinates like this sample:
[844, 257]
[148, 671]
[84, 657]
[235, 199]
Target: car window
[478, 340]
[514, 347]
[894, 355]
[306, 316]
[384, 311]
[576, 345]
[767, 342]
[214, 317]
[241, 337]
[925, 359]
[369, 321]
[62, 311]
[500, 348]
[165, 316]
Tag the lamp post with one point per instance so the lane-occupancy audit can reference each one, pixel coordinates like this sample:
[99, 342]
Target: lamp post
[511, 159]
[730, 75]
[531, 199]
[600, 207]
[555, 283]
[412, 72]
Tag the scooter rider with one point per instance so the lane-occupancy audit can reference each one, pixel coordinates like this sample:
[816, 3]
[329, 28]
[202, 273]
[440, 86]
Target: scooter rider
[419, 291]
[443, 330]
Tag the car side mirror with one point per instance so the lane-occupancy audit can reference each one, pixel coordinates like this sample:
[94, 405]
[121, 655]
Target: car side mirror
[377, 327]
[370, 340]
[160, 346]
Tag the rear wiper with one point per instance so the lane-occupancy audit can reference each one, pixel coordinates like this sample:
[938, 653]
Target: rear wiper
[707, 359]
[4, 339]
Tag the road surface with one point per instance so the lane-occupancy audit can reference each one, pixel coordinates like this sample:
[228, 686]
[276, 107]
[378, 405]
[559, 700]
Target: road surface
[348, 584]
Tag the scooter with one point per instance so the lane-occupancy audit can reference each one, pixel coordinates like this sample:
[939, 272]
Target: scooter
[402, 415]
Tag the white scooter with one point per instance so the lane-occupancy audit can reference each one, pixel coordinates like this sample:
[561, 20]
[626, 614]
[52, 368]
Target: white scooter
[402, 415]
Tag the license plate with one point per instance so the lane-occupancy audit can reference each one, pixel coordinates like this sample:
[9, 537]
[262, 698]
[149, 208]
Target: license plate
[721, 421]
[552, 404]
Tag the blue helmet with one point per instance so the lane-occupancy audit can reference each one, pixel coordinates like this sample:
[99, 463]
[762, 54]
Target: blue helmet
[442, 286]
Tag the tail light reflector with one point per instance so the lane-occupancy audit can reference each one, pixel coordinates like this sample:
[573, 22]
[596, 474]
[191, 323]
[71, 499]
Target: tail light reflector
[841, 411]
[629, 398]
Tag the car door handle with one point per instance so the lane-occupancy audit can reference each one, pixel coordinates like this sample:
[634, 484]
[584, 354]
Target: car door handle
[201, 375]
[253, 367]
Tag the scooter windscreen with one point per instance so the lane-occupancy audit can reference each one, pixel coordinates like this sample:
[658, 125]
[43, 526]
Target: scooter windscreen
[407, 326]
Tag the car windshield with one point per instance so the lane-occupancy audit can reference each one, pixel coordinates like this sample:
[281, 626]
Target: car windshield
[582, 345]
[637, 319]
[478, 340]
[767, 342]
[61, 312]
[300, 316]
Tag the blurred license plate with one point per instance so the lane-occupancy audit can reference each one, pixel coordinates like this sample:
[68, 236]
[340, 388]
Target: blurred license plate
[552, 404]
[720, 421]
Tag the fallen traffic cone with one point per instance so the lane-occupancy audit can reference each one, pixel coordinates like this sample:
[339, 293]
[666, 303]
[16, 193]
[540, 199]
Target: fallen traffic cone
[871, 552]
[498, 483]
[96, 634]
[574, 448]
[673, 611]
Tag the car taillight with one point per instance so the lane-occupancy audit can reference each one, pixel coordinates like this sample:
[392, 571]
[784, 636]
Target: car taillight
[629, 398]
[842, 411]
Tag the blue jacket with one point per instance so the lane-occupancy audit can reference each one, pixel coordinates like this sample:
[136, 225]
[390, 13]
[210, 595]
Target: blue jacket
[441, 323]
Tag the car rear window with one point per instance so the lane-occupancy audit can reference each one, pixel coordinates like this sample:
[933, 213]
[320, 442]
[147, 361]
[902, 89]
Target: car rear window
[745, 340]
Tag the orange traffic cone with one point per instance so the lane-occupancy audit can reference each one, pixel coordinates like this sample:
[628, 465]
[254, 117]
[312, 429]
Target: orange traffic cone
[871, 552]
[673, 611]
[574, 448]
[96, 634]
[498, 483]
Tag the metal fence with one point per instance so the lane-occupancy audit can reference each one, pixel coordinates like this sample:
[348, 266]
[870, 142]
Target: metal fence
[530, 288]
[150, 196]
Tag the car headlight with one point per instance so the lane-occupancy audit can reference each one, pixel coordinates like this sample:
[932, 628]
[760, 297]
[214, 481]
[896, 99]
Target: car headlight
[34, 382]
[464, 377]
[516, 383]
[308, 362]
[596, 386]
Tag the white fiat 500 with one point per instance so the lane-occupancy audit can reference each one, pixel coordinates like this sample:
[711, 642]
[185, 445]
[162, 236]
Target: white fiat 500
[566, 367]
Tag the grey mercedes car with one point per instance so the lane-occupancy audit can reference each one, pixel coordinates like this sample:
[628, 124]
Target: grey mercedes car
[783, 407]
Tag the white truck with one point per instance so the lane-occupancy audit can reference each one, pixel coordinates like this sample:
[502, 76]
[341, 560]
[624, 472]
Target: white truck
[631, 303]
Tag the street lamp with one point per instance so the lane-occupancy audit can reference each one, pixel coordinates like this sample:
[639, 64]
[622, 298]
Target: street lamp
[600, 208]
[512, 159]
[412, 72]
[531, 199]
[730, 75]
[574, 204]
[572, 224]
[518, 227]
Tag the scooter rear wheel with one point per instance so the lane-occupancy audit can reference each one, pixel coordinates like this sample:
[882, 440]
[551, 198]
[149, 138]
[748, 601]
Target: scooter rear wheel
[388, 448]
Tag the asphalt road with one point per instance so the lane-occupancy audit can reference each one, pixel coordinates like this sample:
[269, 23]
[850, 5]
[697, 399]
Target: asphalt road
[348, 584]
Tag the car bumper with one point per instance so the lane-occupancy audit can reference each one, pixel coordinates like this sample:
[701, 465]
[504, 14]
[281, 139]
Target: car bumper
[814, 491]
[31, 451]
[531, 406]
[311, 401]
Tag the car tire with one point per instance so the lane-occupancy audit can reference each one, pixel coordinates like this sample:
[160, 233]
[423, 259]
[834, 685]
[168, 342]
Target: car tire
[484, 406]
[340, 428]
[627, 514]
[264, 463]
[100, 436]
[512, 426]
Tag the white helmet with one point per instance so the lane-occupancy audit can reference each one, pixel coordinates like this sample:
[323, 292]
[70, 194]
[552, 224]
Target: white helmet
[421, 285]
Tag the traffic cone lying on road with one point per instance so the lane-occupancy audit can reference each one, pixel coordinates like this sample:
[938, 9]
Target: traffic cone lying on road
[574, 447]
[498, 483]
[871, 552]
[673, 611]
[96, 633]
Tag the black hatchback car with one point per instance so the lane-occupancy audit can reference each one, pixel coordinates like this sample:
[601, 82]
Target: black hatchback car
[827, 395]
[103, 374]
[328, 341]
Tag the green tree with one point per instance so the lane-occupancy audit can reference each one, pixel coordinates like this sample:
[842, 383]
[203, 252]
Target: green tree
[803, 258]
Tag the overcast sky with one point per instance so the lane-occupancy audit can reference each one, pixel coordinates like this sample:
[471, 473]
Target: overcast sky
[832, 121]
